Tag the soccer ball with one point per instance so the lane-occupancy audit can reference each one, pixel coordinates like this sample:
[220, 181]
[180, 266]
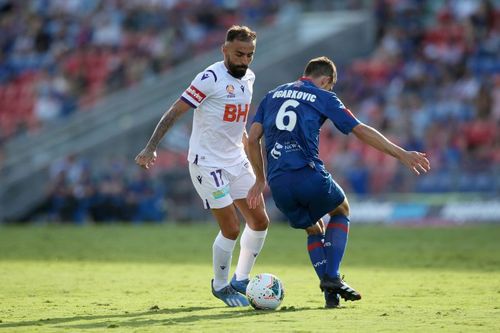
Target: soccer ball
[265, 292]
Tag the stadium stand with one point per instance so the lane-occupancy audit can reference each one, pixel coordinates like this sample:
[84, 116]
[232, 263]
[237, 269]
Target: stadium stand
[60, 56]
[432, 83]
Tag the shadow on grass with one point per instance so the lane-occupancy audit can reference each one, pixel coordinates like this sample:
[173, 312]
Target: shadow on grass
[136, 319]
[110, 316]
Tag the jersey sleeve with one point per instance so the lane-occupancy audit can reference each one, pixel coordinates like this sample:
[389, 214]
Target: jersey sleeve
[200, 88]
[259, 115]
[341, 116]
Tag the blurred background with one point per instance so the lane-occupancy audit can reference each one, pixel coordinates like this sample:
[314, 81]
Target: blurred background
[84, 82]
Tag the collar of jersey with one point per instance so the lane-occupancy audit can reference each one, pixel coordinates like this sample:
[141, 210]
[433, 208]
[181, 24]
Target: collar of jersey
[306, 80]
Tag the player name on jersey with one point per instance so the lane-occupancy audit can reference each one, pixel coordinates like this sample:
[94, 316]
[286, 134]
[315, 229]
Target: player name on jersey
[295, 94]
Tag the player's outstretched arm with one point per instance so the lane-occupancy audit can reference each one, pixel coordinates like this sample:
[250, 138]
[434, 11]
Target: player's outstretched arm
[147, 157]
[254, 152]
[414, 160]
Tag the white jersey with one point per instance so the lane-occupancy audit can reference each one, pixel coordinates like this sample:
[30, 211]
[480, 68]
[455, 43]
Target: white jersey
[222, 104]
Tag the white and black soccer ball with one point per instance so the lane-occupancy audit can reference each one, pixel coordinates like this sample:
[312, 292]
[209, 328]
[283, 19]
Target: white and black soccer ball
[265, 292]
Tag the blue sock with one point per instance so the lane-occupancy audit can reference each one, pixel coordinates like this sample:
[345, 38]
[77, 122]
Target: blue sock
[335, 243]
[317, 253]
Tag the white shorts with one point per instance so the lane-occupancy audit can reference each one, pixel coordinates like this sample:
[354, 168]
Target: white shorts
[218, 187]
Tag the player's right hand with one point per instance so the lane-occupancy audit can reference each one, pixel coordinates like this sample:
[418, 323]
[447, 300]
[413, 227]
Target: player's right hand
[146, 159]
[416, 161]
[254, 196]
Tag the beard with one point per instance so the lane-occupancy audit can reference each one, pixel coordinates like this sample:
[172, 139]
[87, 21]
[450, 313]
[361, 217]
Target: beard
[238, 71]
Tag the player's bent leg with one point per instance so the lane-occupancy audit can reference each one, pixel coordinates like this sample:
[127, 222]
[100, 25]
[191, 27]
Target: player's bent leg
[315, 240]
[316, 229]
[342, 209]
[257, 218]
[337, 231]
[222, 254]
[315, 248]
[228, 221]
[251, 243]
[216, 196]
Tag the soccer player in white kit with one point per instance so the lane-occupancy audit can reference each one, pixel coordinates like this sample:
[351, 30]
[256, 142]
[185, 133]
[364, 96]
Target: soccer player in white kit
[219, 168]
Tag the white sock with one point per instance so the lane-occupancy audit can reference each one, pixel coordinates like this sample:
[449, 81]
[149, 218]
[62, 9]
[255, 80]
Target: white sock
[222, 253]
[251, 243]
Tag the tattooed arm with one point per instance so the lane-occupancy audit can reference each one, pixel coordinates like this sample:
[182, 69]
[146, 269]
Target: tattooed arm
[147, 157]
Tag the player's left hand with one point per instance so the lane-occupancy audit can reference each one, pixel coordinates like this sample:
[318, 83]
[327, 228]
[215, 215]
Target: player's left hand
[146, 158]
[416, 161]
[254, 196]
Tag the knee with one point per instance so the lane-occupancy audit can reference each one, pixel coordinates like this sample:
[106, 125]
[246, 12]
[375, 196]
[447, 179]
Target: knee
[317, 229]
[258, 223]
[231, 231]
[342, 209]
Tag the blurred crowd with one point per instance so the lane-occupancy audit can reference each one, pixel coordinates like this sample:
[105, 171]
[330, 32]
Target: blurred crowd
[78, 193]
[57, 56]
[432, 84]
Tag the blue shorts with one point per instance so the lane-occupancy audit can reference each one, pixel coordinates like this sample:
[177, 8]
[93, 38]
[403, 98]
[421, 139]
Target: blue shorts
[305, 195]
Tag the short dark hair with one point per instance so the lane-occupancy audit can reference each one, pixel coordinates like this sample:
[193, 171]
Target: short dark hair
[321, 66]
[241, 33]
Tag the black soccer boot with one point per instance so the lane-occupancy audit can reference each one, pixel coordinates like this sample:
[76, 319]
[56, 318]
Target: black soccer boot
[338, 286]
[332, 300]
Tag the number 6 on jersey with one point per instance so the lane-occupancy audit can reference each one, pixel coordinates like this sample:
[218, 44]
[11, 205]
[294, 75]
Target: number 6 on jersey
[291, 115]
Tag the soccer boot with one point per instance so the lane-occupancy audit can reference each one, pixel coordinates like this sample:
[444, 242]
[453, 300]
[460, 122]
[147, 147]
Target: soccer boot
[230, 296]
[239, 286]
[337, 285]
[332, 300]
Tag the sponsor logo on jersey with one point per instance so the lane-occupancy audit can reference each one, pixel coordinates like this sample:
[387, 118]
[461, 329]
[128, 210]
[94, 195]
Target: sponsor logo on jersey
[275, 152]
[230, 91]
[195, 94]
[236, 112]
[221, 193]
[200, 178]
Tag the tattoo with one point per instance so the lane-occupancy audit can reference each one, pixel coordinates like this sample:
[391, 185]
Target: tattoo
[166, 121]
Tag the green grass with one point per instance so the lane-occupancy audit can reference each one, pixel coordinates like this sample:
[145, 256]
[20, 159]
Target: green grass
[156, 279]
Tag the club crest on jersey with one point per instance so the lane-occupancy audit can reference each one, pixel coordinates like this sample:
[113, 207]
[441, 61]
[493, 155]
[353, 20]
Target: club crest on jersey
[230, 91]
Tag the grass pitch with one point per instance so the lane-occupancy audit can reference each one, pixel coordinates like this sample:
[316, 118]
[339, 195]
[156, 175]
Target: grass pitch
[156, 279]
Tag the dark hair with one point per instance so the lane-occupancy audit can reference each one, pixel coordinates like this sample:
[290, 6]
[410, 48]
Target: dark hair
[321, 66]
[241, 33]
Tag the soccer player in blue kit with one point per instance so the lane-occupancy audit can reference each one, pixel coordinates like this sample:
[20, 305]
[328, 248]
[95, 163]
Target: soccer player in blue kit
[290, 117]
